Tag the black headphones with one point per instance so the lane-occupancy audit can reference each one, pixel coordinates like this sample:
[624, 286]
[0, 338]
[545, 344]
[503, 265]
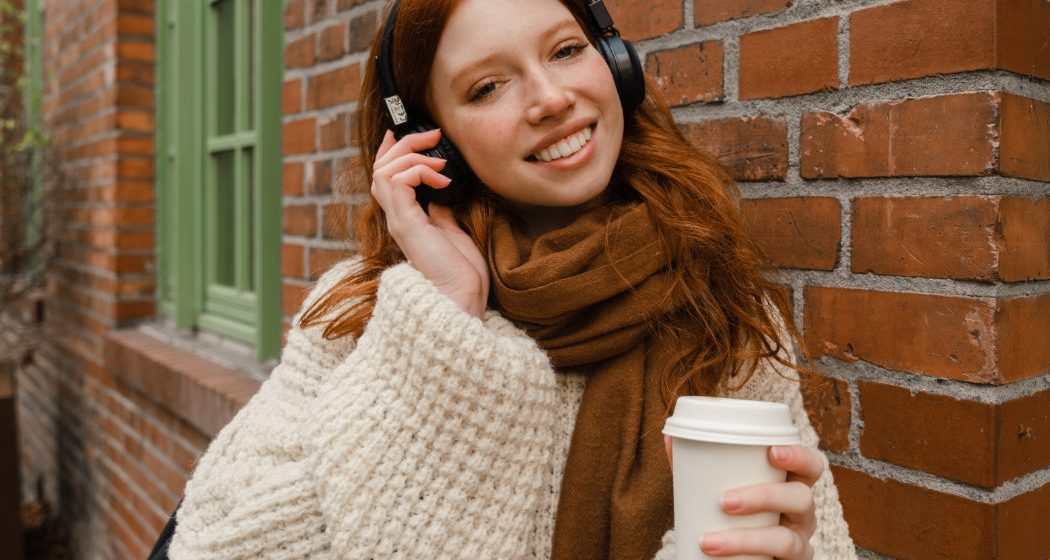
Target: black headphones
[620, 55]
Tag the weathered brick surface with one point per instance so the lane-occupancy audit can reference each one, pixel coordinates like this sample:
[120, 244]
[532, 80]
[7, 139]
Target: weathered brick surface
[300, 136]
[1024, 337]
[964, 237]
[688, 74]
[1024, 37]
[796, 232]
[943, 336]
[931, 433]
[334, 87]
[714, 11]
[790, 60]
[1024, 145]
[300, 220]
[917, 38]
[905, 521]
[1025, 243]
[1022, 525]
[943, 135]
[751, 149]
[828, 403]
[643, 19]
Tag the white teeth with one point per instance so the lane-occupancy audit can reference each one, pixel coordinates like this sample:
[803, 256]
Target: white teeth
[565, 147]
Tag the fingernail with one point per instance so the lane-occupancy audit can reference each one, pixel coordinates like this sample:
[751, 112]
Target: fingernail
[729, 501]
[711, 543]
[780, 453]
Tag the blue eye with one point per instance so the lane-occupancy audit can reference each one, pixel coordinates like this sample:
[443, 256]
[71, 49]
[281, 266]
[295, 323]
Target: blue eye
[569, 51]
[483, 90]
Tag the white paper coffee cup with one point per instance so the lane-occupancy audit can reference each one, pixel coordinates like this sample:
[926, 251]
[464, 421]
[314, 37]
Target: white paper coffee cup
[719, 444]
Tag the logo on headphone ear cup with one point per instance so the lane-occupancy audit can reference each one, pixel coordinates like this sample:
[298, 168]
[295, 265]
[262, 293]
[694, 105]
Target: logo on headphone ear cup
[626, 70]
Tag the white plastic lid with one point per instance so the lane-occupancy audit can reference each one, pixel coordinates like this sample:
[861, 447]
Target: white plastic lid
[735, 421]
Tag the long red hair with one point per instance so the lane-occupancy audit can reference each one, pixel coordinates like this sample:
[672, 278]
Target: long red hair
[726, 324]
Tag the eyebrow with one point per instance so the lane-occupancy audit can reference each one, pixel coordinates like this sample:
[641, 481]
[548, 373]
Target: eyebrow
[458, 76]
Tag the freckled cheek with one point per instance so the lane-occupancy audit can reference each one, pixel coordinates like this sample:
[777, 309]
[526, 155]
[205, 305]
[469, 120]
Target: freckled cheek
[485, 142]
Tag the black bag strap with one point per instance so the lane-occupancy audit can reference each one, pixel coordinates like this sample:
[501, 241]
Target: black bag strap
[160, 549]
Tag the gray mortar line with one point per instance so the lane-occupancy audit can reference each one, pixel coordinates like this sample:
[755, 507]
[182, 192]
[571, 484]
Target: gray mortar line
[842, 101]
[856, 425]
[865, 554]
[841, 278]
[855, 372]
[888, 471]
[843, 50]
[898, 187]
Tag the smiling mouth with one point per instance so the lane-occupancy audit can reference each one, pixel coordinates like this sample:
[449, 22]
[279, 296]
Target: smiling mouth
[563, 148]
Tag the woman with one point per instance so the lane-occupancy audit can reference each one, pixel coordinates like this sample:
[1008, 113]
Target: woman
[500, 394]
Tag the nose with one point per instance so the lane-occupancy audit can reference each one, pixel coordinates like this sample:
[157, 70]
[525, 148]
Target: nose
[549, 97]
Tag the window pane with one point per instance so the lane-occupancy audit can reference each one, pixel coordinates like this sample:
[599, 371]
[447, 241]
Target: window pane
[223, 53]
[250, 60]
[224, 203]
[248, 173]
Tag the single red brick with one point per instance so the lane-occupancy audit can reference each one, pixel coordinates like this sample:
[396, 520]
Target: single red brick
[362, 31]
[751, 148]
[300, 220]
[944, 336]
[292, 297]
[707, 12]
[917, 38]
[293, 261]
[294, 14]
[292, 179]
[323, 259]
[1023, 326]
[643, 19]
[1025, 244]
[299, 136]
[319, 177]
[944, 135]
[292, 96]
[688, 74]
[335, 221]
[129, 24]
[1024, 139]
[827, 401]
[1022, 525]
[905, 521]
[331, 41]
[1024, 37]
[335, 133]
[800, 232]
[930, 433]
[135, 50]
[791, 60]
[1024, 435]
[301, 52]
[334, 87]
[937, 237]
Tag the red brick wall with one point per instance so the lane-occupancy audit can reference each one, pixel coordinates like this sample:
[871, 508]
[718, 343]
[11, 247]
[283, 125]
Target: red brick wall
[901, 185]
[894, 157]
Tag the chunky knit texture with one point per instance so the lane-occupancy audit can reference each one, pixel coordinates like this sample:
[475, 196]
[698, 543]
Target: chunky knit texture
[435, 435]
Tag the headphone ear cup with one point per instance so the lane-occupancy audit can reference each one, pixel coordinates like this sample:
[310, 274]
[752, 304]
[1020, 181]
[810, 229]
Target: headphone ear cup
[626, 69]
[456, 168]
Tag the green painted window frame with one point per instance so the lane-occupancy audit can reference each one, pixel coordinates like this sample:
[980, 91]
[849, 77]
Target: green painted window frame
[225, 282]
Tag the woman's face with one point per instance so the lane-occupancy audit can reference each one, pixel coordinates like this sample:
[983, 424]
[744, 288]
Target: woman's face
[528, 101]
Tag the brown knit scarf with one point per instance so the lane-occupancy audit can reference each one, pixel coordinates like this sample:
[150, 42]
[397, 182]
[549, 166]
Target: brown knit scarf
[585, 293]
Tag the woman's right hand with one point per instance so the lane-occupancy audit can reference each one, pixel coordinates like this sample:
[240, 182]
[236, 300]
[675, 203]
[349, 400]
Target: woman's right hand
[434, 243]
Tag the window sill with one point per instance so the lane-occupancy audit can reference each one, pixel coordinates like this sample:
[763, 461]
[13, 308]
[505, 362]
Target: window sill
[203, 393]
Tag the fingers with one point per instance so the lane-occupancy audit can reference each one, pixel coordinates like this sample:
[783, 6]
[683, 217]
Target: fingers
[801, 463]
[388, 142]
[667, 447]
[779, 542]
[417, 142]
[794, 499]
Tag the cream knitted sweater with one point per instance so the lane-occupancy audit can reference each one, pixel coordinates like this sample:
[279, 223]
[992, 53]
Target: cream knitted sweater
[434, 435]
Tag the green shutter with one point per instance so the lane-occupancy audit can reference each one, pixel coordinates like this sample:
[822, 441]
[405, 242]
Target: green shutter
[219, 87]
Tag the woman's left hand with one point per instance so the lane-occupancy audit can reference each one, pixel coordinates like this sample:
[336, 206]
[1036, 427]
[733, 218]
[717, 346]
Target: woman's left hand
[792, 499]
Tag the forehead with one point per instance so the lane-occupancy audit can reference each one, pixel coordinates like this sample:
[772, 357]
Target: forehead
[477, 28]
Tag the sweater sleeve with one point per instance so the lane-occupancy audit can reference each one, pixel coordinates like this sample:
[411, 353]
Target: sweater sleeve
[425, 439]
[431, 438]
